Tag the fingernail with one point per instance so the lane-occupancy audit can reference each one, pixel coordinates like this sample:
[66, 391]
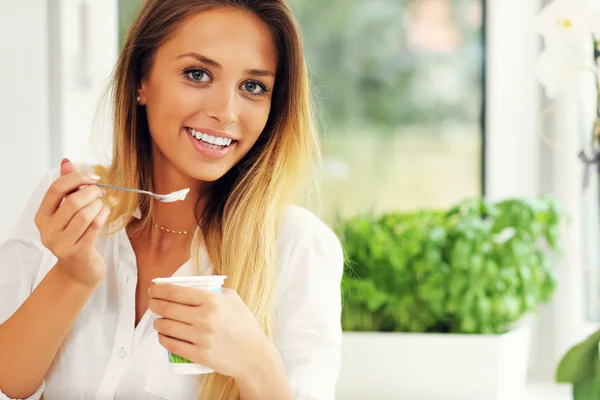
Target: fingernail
[94, 177]
[64, 160]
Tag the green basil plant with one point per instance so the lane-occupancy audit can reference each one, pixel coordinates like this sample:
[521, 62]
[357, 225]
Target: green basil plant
[476, 268]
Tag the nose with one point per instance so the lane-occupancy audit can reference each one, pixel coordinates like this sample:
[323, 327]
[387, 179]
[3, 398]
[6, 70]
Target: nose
[222, 105]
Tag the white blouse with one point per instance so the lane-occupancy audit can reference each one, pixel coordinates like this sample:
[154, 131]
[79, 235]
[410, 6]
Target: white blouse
[105, 357]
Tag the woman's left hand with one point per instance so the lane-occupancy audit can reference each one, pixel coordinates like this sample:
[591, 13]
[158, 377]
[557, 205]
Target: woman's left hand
[216, 330]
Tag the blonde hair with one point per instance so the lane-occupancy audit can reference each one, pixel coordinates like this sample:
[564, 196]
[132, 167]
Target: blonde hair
[240, 221]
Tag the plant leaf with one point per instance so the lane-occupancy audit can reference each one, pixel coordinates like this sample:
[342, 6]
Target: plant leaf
[580, 362]
[587, 389]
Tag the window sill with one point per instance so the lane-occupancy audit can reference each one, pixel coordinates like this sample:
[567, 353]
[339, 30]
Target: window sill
[545, 390]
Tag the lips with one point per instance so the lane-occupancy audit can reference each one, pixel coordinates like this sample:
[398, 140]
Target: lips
[201, 141]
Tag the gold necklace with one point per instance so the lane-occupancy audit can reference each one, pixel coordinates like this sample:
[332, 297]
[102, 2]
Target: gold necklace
[162, 228]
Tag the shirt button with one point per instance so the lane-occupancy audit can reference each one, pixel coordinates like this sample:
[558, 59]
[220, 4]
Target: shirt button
[123, 353]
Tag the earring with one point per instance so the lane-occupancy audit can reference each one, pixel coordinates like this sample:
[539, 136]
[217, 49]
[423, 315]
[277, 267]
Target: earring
[138, 99]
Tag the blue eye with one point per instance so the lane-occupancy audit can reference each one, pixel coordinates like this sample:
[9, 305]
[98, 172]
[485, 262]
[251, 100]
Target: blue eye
[196, 75]
[255, 88]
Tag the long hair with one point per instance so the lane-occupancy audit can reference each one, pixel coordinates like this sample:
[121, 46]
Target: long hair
[239, 224]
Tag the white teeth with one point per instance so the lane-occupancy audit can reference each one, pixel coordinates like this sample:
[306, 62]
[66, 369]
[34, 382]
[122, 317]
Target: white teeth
[212, 141]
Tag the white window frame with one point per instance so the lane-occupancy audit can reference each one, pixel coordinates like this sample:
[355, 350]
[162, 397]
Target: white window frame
[83, 51]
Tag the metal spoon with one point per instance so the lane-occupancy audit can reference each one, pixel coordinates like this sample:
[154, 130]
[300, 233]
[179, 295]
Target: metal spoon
[165, 198]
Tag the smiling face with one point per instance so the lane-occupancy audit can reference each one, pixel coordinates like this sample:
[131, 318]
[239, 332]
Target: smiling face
[208, 93]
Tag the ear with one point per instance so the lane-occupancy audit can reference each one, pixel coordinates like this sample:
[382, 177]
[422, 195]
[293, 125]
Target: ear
[141, 95]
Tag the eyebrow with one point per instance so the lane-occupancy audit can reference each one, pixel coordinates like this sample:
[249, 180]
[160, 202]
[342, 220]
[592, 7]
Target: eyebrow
[215, 64]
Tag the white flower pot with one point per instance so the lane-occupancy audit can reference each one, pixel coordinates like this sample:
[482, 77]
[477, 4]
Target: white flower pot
[412, 366]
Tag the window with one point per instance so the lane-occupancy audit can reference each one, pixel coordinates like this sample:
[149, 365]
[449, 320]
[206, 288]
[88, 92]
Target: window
[399, 84]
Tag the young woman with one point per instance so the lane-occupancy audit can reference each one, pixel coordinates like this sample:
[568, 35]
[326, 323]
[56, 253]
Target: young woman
[210, 95]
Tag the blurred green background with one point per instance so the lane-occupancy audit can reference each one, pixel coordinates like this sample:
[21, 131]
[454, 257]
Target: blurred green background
[399, 84]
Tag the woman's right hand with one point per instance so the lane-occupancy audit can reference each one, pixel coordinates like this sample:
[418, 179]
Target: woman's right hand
[70, 219]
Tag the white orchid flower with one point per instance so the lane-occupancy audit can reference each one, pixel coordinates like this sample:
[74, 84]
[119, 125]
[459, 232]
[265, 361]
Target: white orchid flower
[567, 27]
[565, 20]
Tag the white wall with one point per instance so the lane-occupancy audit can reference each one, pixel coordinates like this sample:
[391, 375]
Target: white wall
[24, 140]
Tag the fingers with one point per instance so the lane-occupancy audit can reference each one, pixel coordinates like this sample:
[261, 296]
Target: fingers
[174, 311]
[95, 227]
[70, 219]
[176, 330]
[175, 346]
[182, 295]
[66, 167]
[76, 208]
[81, 220]
[60, 188]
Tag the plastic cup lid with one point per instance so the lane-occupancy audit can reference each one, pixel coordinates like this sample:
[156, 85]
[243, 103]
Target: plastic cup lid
[191, 279]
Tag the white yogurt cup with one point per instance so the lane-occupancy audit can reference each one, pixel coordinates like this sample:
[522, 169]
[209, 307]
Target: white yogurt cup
[180, 365]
